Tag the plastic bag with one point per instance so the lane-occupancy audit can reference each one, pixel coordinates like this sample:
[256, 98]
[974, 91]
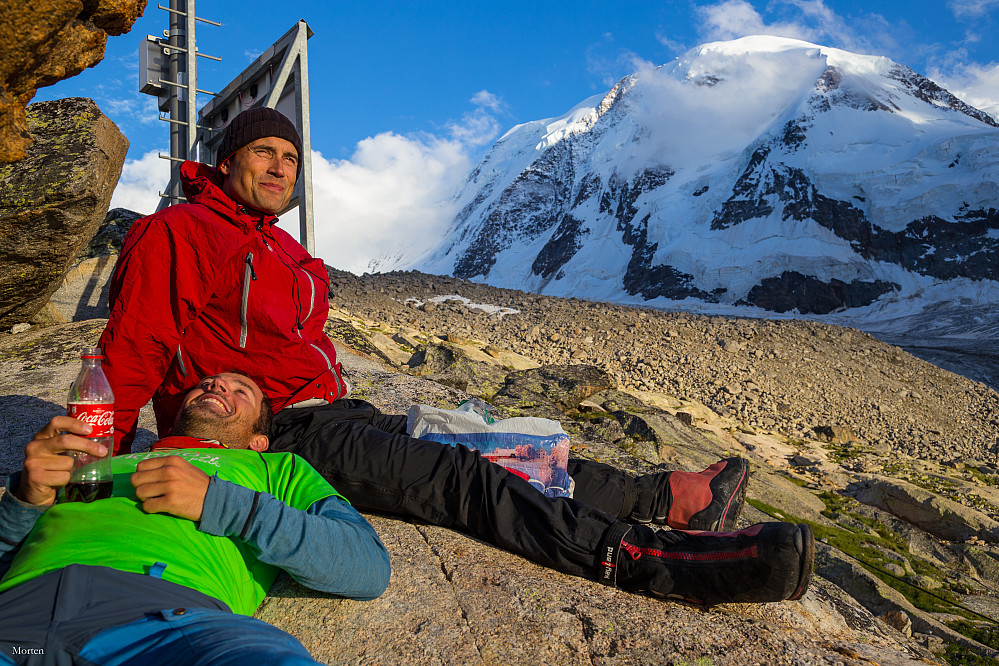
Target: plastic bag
[534, 449]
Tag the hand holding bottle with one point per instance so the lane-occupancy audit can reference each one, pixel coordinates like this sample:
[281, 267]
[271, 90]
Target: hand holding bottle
[49, 459]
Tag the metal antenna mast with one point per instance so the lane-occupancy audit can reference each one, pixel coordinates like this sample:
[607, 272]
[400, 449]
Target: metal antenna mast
[170, 67]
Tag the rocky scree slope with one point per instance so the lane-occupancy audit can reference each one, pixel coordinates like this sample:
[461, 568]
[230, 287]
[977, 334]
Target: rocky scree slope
[786, 377]
[830, 410]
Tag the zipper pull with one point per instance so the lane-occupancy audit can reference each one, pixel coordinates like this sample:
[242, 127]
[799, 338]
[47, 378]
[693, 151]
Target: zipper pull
[634, 551]
[249, 262]
[300, 327]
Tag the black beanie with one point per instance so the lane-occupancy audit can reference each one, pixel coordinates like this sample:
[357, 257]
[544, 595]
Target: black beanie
[254, 124]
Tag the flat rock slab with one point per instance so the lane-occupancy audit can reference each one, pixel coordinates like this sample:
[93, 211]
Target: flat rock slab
[926, 510]
[565, 386]
[455, 600]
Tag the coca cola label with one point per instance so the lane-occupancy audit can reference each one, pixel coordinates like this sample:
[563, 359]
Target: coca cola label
[100, 416]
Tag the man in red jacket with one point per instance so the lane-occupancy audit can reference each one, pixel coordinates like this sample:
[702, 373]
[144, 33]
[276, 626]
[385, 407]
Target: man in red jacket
[213, 284]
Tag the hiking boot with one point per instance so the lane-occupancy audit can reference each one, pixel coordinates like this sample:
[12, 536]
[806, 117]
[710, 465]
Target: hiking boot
[710, 500]
[765, 562]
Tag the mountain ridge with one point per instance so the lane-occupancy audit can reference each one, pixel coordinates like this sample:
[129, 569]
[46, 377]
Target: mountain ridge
[851, 183]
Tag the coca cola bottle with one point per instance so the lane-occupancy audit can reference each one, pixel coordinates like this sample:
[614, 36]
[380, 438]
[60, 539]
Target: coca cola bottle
[91, 401]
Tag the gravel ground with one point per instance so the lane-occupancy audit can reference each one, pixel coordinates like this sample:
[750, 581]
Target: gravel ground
[787, 377]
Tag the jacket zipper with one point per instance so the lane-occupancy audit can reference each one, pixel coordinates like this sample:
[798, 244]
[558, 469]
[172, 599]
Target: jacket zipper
[249, 275]
[636, 552]
[180, 362]
[312, 294]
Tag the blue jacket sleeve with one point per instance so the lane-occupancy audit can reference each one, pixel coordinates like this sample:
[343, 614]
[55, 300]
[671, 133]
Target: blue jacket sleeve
[329, 547]
[16, 520]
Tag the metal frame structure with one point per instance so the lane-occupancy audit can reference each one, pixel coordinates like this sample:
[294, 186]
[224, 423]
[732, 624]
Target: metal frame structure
[278, 79]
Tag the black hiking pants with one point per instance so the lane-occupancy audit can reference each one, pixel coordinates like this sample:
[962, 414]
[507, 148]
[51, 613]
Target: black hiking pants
[369, 459]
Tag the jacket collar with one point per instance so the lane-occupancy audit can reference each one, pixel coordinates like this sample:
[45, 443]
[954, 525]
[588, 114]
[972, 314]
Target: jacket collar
[203, 185]
[184, 442]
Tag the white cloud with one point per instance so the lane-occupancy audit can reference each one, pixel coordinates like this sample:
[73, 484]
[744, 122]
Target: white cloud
[978, 85]
[761, 88]
[395, 192]
[971, 9]
[808, 20]
[972, 13]
[486, 99]
[474, 129]
[732, 19]
[611, 63]
[141, 182]
[389, 196]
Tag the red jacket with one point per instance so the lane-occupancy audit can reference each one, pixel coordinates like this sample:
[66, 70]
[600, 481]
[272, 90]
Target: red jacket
[208, 287]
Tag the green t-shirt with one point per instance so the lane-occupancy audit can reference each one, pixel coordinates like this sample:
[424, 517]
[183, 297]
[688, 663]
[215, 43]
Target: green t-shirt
[117, 533]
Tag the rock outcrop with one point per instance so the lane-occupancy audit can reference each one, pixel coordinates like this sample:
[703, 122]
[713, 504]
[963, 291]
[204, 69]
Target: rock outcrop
[563, 387]
[83, 292]
[45, 42]
[53, 201]
[926, 510]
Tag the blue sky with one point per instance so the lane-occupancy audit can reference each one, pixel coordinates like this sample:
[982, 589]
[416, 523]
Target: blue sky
[407, 96]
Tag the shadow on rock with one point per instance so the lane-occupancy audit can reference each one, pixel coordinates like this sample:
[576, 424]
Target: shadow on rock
[26, 415]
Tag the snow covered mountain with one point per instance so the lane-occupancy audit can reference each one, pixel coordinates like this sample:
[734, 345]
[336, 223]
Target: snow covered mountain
[763, 174]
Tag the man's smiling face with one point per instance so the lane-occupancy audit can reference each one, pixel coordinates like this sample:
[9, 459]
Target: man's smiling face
[262, 174]
[224, 407]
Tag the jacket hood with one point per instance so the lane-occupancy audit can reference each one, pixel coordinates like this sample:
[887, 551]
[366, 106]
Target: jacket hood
[202, 184]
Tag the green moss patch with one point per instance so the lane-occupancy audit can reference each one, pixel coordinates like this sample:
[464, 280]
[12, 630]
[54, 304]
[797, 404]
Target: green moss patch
[864, 548]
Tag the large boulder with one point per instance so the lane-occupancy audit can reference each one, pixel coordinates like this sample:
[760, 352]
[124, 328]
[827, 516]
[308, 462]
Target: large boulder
[45, 42]
[83, 292]
[450, 362]
[53, 201]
